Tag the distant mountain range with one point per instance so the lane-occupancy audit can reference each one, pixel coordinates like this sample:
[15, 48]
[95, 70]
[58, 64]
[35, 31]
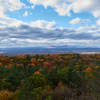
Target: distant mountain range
[46, 50]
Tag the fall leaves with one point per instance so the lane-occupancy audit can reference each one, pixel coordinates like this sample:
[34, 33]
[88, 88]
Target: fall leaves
[50, 61]
[32, 74]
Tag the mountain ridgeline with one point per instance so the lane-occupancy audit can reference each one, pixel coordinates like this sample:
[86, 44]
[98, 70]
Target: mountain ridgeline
[46, 50]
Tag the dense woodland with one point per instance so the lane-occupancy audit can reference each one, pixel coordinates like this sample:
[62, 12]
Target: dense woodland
[50, 77]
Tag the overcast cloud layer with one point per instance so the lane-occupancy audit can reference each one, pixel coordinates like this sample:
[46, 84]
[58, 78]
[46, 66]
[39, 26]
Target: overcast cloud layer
[16, 32]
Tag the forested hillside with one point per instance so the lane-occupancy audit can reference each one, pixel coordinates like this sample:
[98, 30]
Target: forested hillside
[50, 77]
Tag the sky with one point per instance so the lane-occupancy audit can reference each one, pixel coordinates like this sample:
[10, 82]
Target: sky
[48, 23]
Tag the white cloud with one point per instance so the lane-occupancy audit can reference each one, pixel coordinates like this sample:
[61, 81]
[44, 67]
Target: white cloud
[89, 29]
[29, 33]
[98, 22]
[96, 13]
[91, 6]
[63, 7]
[43, 24]
[79, 21]
[60, 6]
[15, 32]
[14, 4]
[25, 13]
[10, 5]
[75, 21]
[9, 22]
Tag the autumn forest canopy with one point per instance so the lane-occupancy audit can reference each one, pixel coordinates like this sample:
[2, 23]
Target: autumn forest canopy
[50, 77]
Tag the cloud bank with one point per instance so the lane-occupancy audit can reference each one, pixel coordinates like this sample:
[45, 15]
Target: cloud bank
[17, 33]
[64, 7]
